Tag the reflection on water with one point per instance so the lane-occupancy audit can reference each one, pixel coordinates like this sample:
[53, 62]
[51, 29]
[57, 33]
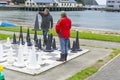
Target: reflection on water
[87, 19]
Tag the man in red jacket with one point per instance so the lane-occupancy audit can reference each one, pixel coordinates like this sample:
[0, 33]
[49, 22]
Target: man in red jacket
[63, 30]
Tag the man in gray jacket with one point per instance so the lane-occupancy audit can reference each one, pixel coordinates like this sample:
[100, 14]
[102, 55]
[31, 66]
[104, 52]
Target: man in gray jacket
[46, 24]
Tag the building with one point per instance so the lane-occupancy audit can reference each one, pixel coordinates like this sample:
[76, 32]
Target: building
[113, 4]
[51, 3]
[5, 2]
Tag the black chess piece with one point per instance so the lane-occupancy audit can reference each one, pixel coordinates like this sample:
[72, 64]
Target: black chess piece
[35, 36]
[35, 39]
[54, 44]
[69, 46]
[39, 44]
[77, 42]
[29, 43]
[14, 39]
[73, 49]
[21, 37]
[49, 44]
[28, 35]
[36, 26]
[51, 37]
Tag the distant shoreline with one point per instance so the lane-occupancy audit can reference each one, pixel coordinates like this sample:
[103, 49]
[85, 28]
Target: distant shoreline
[97, 31]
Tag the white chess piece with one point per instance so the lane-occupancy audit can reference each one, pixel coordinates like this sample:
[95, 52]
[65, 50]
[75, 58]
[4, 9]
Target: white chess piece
[10, 58]
[40, 60]
[25, 49]
[2, 58]
[20, 59]
[8, 43]
[32, 61]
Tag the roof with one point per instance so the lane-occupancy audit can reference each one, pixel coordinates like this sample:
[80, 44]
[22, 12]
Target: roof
[69, 1]
[44, 1]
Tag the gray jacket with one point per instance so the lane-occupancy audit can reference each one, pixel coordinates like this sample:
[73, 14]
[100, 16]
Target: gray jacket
[47, 21]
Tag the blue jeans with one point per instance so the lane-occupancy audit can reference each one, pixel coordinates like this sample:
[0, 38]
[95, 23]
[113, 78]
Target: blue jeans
[45, 36]
[64, 45]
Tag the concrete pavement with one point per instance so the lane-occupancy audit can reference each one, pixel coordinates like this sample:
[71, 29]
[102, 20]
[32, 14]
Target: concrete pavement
[111, 71]
[66, 70]
[70, 68]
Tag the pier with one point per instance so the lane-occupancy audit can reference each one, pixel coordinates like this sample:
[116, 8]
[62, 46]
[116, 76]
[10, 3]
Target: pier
[24, 8]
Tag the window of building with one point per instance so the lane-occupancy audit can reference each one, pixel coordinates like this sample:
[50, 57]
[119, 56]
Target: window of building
[27, 3]
[62, 4]
[108, 1]
[118, 2]
[110, 5]
[113, 1]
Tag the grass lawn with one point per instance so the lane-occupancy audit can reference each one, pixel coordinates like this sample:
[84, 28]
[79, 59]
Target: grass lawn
[5, 36]
[82, 35]
[94, 68]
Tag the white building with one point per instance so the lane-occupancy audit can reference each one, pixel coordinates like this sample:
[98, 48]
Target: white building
[5, 2]
[113, 4]
[55, 3]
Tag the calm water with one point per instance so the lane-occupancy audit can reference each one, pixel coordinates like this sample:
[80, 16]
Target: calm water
[85, 19]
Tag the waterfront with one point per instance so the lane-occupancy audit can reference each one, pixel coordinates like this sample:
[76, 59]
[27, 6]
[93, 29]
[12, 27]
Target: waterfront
[84, 19]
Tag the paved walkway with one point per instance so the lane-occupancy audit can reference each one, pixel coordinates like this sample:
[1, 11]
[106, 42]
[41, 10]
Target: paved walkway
[63, 71]
[70, 68]
[82, 41]
[111, 71]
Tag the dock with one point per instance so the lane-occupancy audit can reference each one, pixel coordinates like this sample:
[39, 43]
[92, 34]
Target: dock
[24, 8]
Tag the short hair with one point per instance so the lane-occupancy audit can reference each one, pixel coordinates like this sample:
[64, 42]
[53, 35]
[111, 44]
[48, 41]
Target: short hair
[63, 14]
[47, 10]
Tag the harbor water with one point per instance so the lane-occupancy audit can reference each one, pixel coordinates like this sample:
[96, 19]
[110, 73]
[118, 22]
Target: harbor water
[84, 19]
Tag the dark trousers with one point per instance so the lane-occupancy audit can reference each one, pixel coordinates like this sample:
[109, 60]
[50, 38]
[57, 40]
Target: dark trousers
[45, 36]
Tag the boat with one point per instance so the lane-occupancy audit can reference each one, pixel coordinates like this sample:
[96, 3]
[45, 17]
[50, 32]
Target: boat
[7, 24]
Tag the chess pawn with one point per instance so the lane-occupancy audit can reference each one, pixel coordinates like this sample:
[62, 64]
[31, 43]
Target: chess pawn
[2, 58]
[20, 58]
[10, 58]
[32, 61]
[73, 49]
[14, 39]
[8, 43]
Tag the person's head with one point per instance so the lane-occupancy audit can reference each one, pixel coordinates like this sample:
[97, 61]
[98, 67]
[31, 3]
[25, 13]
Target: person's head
[46, 11]
[63, 14]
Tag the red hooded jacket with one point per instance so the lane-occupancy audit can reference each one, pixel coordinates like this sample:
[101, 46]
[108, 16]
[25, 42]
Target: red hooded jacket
[63, 27]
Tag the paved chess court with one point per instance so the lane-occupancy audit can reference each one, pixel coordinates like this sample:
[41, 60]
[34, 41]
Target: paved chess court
[45, 60]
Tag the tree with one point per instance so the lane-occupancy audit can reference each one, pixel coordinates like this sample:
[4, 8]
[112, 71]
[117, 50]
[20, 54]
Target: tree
[80, 1]
[18, 1]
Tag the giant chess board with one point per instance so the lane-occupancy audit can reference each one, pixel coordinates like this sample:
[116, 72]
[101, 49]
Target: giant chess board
[44, 60]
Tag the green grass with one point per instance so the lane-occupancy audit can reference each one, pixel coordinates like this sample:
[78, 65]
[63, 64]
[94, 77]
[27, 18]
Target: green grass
[5, 36]
[82, 35]
[100, 60]
[84, 73]
[115, 53]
